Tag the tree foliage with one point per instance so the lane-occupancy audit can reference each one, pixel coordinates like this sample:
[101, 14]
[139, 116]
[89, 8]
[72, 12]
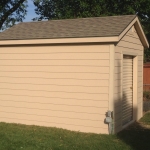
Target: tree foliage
[62, 9]
[12, 11]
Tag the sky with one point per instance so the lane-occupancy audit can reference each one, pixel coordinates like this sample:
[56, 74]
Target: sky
[30, 14]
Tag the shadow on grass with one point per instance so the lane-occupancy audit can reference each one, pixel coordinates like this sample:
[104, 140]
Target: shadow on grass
[136, 136]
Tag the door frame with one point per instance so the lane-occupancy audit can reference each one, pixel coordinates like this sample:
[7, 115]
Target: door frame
[135, 84]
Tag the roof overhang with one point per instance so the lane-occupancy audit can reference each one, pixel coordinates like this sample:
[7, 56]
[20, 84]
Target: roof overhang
[113, 39]
[60, 41]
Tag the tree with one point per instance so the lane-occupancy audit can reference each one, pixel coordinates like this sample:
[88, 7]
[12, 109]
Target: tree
[12, 11]
[52, 9]
[62, 9]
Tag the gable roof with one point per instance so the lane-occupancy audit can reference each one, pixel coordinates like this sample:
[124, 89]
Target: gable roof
[69, 28]
[111, 26]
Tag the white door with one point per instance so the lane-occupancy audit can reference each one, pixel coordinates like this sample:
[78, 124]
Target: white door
[127, 99]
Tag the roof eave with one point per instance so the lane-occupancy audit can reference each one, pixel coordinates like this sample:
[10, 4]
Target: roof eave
[61, 41]
[139, 30]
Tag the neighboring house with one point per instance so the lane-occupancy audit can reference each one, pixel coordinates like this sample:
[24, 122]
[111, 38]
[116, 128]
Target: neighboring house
[69, 73]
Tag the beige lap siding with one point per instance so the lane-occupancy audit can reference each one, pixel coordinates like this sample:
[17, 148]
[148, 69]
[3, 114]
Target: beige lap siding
[132, 44]
[59, 86]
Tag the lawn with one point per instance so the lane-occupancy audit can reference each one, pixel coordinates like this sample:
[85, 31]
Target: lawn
[22, 137]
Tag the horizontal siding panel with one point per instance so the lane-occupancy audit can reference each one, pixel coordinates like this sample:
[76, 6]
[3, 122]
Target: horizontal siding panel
[88, 123]
[50, 113]
[117, 83]
[54, 75]
[140, 79]
[134, 40]
[58, 125]
[54, 56]
[118, 69]
[56, 69]
[132, 46]
[140, 83]
[140, 99]
[127, 63]
[117, 89]
[54, 101]
[117, 116]
[140, 62]
[140, 114]
[140, 89]
[117, 96]
[119, 49]
[53, 63]
[118, 110]
[117, 76]
[127, 59]
[60, 86]
[140, 68]
[55, 49]
[117, 63]
[48, 109]
[140, 95]
[51, 88]
[117, 103]
[140, 58]
[63, 82]
[54, 94]
[118, 56]
[134, 35]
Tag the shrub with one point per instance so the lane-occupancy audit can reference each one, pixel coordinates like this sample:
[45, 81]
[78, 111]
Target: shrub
[146, 95]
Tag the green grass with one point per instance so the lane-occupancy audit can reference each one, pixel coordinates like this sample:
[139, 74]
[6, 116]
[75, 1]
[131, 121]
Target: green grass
[146, 119]
[138, 134]
[22, 137]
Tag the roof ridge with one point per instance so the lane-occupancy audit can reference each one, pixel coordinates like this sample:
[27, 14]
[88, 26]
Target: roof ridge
[53, 20]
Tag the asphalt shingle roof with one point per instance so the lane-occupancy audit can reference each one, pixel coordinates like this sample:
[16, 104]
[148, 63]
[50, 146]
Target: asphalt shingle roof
[69, 28]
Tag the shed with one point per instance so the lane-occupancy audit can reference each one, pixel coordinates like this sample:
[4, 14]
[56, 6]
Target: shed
[69, 73]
